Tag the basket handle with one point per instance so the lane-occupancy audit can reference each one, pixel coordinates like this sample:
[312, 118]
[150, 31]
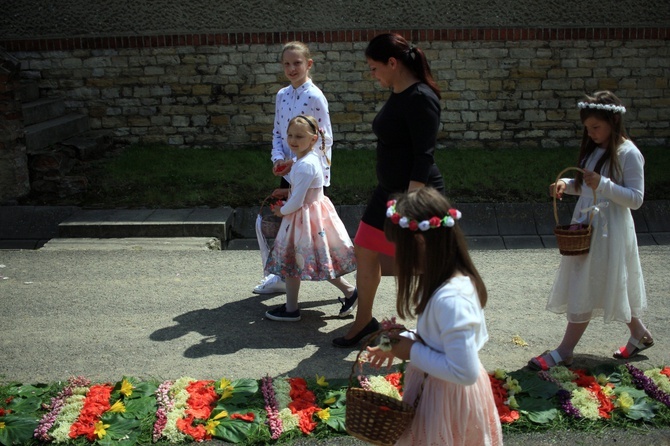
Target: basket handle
[558, 177]
[368, 341]
[265, 201]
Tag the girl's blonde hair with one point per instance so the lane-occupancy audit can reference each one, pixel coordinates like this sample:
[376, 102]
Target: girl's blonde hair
[296, 46]
[423, 266]
[313, 126]
[588, 146]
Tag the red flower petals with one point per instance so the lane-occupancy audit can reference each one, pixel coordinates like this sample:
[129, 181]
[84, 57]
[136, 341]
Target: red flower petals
[249, 417]
[95, 404]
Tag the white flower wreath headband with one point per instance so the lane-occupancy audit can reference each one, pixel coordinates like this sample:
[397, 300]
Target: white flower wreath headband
[413, 225]
[609, 107]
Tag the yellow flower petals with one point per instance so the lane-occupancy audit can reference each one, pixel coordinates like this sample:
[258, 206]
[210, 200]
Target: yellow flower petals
[210, 427]
[117, 407]
[321, 381]
[227, 393]
[126, 388]
[222, 414]
[518, 340]
[625, 401]
[100, 429]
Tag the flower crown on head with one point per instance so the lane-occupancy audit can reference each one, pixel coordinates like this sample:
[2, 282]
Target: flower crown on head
[609, 107]
[413, 225]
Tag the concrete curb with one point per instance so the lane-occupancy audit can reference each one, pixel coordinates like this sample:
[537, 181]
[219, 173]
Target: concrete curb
[486, 225]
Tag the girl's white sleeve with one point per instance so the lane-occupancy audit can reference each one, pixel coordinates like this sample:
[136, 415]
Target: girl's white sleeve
[631, 193]
[459, 363]
[302, 175]
[277, 139]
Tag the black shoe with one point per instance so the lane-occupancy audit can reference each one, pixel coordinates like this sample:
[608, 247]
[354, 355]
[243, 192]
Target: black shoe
[348, 304]
[372, 326]
[280, 314]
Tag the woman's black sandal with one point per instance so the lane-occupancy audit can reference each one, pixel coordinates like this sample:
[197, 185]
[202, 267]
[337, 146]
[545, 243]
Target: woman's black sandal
[372, 326]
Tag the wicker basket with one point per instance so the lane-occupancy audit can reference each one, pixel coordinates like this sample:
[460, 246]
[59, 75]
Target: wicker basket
[269, 223]
[572, 240]
[373, 417]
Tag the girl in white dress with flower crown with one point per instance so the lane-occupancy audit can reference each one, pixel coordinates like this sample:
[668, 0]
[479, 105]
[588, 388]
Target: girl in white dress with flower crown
[608, 280]
[312, 242]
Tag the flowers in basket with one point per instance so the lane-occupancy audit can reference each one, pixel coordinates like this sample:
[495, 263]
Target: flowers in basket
[276, 204]
[392, 383]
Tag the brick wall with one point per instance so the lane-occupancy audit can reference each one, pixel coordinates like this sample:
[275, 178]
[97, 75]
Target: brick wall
[503, 87]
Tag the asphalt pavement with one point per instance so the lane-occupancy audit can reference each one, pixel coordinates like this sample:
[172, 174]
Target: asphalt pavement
[168, 307]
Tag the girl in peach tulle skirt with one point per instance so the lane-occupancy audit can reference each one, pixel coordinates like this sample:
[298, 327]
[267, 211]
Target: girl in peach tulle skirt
[312, 242]
[439, 284]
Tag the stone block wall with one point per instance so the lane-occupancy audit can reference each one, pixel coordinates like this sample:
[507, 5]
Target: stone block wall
[14, 177]
[502, 88]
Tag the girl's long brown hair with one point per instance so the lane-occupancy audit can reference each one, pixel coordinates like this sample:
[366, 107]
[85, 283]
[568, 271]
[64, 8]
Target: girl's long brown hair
[615, 121]
[427, 259]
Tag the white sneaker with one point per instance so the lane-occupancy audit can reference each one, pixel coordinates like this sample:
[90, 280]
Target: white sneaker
[271, 285]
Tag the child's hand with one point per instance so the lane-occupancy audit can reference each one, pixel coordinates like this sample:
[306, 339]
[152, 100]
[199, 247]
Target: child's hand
[400, 348]
[557, 189]
[592, 179]
[277, 211]
[280, 193]
[281, 168]
[377, 357]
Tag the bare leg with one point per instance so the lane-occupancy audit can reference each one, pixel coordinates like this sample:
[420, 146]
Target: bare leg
[292, 292]
[368, 277]
[637, 328]
[640, 333]
[573, 333]
[342, 285]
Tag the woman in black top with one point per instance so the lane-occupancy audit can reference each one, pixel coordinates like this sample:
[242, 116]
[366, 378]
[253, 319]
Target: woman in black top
[406, 128]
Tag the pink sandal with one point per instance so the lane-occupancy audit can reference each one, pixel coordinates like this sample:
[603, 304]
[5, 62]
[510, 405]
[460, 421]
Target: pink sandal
[639, 345]
[539, 363]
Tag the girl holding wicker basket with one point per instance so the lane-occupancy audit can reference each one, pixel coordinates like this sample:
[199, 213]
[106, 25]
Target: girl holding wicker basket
[438, 282]
[607, 281]
[312, 242]
[301, 97]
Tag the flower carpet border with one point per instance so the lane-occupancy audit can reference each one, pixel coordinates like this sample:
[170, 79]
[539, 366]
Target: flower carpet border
[251, 411]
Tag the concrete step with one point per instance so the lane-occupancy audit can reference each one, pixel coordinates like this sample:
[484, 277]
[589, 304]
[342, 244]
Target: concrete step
[90, 145]
[134, 244]
[129, 223]
[43, 134]
[42, 110]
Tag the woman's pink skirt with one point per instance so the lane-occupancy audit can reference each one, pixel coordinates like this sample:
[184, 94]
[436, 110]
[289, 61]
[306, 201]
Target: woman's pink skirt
[451, 414]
